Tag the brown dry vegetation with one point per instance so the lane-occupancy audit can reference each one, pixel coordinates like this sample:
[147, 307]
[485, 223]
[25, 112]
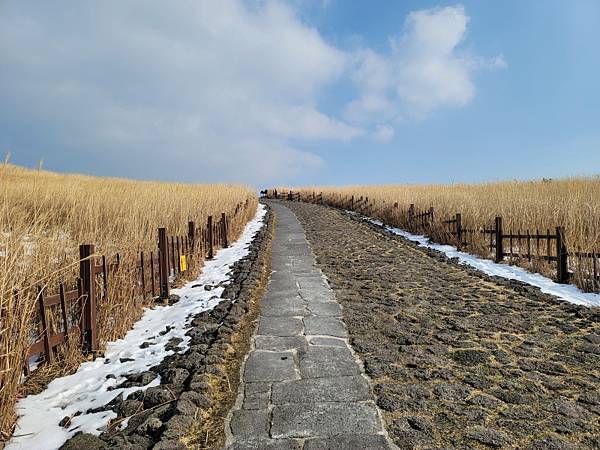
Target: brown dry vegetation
[524, 205]
[44, 216]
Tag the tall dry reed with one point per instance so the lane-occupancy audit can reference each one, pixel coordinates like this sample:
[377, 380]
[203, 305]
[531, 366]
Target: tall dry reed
[44, 216]
[524, 205]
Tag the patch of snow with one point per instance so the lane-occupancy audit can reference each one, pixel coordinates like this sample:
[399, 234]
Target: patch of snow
[88, 388]
[566, 292]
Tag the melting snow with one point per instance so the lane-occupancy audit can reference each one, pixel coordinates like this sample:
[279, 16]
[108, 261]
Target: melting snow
[87, 388]
[566, 292]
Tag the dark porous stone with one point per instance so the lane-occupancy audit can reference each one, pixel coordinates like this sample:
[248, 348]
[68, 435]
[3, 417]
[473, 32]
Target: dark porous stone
[177, 426]
[173, 344]
[550, 443]
[152, 426]
[155, 396]
[173, 444]
[486, 401]
[199, 400]
[447, 391]
[84, 441]
[139, 379]
[470, 357]
[129, 407]
[488, 436]
[176, 376]
[65, 422]
[192, 361]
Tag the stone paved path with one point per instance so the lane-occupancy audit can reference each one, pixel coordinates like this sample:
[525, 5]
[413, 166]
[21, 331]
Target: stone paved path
[302, 386]
[457, 359]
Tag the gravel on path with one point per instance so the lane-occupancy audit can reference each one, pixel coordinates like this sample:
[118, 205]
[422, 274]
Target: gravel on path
[459, 359]
[302, 386]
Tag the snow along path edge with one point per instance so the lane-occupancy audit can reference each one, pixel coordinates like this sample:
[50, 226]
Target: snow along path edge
[95, 382]
[567, 292]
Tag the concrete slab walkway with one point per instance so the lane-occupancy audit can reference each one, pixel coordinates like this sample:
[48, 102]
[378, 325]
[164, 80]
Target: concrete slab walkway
[302, 386]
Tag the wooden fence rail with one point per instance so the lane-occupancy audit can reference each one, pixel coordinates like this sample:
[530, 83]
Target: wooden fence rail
[78, 301]
[503, 245]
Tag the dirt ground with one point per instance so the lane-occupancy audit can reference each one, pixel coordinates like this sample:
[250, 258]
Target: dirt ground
[458, 359]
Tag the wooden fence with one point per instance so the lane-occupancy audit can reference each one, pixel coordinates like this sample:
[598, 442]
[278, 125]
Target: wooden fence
[73, 309]
[511, 246]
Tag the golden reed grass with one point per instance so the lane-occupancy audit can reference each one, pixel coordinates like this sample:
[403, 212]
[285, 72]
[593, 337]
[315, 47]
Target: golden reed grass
[44, 216]
[524, 205]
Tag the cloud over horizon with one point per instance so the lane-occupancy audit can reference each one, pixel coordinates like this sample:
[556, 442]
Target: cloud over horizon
[424, 70]
[228, 87]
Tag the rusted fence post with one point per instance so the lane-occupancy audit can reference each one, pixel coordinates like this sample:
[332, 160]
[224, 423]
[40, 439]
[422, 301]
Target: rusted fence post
[458, 231]
[562, 273]
[163, 263]
[499, 240]
[352, 203]
[88, 291]
[209, 237]
[224, 230]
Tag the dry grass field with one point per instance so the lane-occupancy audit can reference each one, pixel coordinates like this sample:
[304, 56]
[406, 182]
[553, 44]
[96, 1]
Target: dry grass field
[44, 216]
[524, 205]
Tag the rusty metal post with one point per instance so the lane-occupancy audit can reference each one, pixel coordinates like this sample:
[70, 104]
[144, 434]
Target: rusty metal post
[163, 263]
[224, 230]
[88, 287]
[562, 273]
[499, 240]
[209, 230]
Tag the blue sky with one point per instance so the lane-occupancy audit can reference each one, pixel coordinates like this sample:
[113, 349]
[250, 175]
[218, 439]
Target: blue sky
[303, 91]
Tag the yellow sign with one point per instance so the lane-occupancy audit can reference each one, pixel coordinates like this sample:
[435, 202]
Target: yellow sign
[182, 263]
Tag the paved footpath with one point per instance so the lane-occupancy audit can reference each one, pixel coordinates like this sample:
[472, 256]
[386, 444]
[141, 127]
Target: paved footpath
[457, 359]
[302, 387]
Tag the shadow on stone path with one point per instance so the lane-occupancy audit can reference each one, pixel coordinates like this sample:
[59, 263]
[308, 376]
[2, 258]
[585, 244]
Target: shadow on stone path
[302, 386]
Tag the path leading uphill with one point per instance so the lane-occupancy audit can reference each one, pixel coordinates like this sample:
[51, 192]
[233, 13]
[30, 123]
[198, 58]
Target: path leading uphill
[302, 386]
[457, 359]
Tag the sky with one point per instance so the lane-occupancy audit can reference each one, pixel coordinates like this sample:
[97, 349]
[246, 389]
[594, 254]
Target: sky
[302, 92]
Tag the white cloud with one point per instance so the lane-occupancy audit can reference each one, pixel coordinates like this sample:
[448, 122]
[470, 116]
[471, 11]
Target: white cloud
[224, 82]
[212, 90]
[424, 70]
[383, 133]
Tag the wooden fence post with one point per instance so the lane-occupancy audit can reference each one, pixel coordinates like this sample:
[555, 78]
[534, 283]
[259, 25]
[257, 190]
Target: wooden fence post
[209, 238]
[224, 230]
[458, 231]
[88, 288]
[499, 240]
[562, 273]
[49, 356]
[163, 263]
[192, 235]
